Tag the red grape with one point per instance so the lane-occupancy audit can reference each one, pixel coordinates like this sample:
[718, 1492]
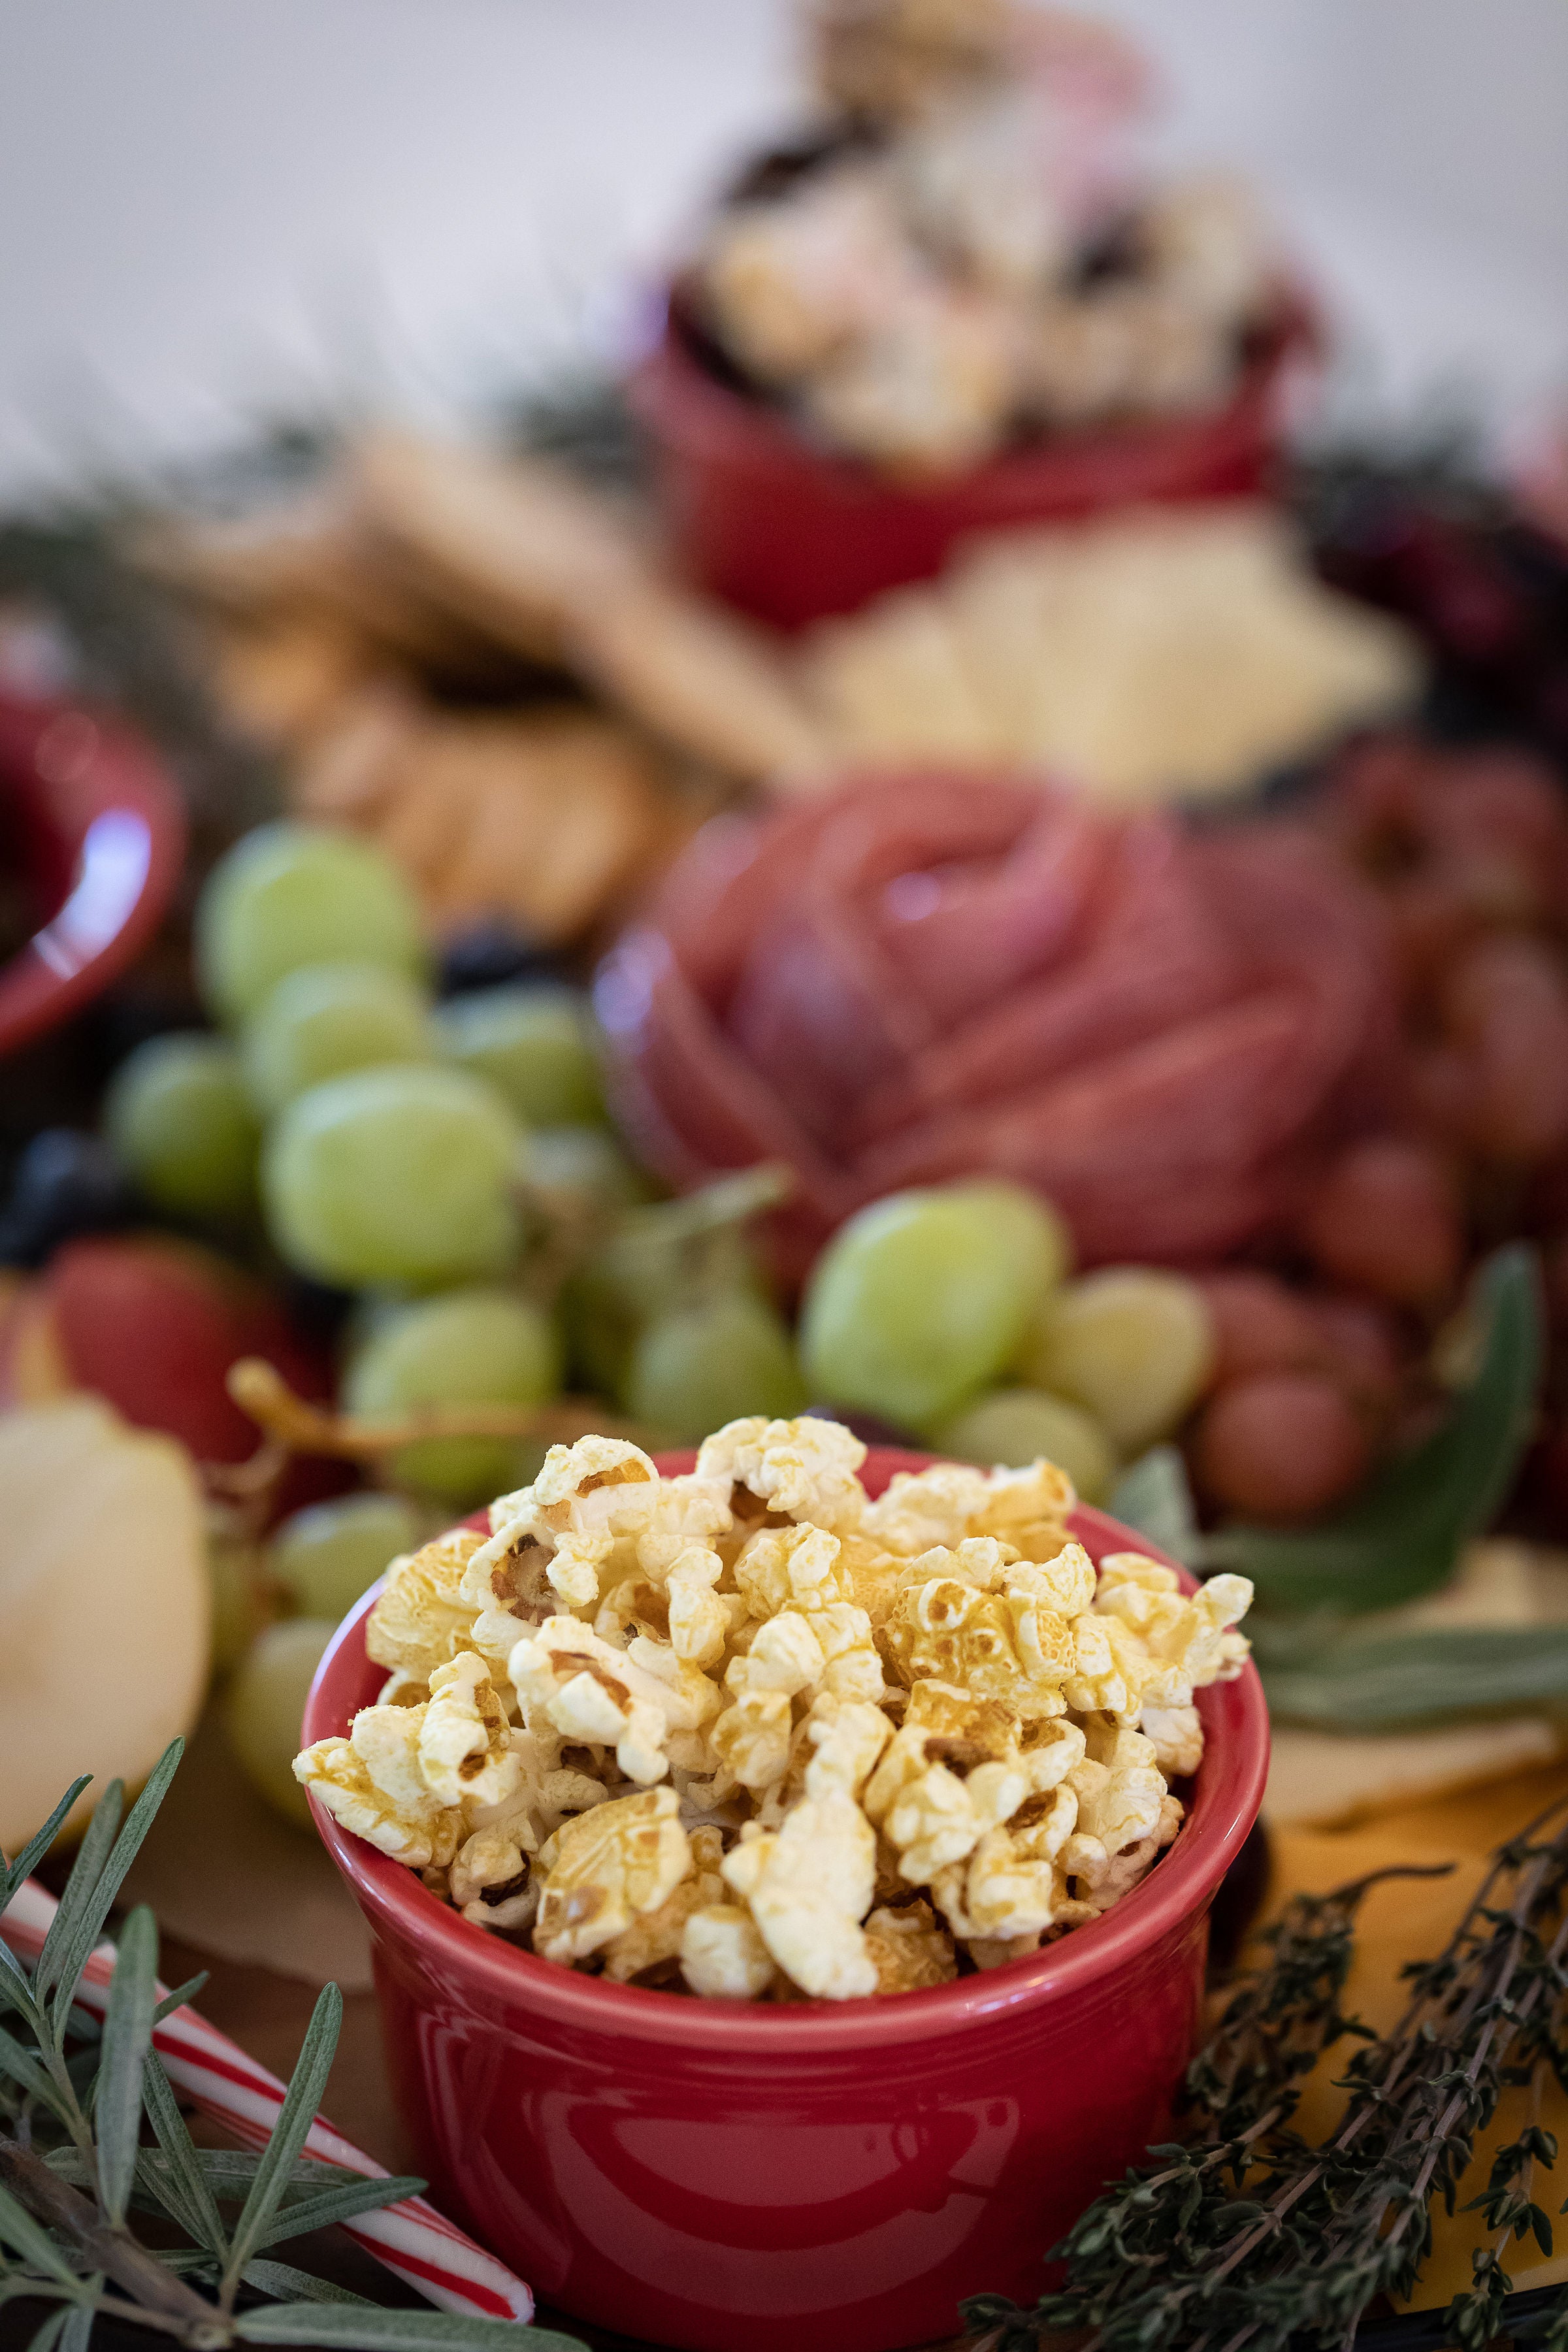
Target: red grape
[1279, 1446]
[1385, 1218]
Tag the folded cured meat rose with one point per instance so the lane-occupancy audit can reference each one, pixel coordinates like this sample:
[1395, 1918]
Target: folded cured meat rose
[923, 976]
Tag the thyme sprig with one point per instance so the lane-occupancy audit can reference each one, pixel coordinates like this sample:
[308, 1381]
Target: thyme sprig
[1248, 2234]
[91, 2132]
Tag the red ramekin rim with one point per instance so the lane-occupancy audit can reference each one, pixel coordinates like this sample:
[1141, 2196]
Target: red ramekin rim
[1226, 1803]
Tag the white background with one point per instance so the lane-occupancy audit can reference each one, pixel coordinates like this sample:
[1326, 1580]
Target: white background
[210, 206]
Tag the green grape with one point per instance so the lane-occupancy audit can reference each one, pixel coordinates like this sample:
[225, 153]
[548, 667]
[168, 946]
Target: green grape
[919, 1301]
[326, 1555]
[580, 1170]
[467, 1346]
[1134, 1345]
[292, 894]
[265, 1704]
[241, 1600]
[179, 1120]
[327, 1018]
[398, 1175]
[534, 1044]
[708, 1360]
[1016, 1426]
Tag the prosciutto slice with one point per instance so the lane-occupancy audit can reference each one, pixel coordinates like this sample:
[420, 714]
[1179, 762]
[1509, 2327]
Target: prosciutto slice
[927, 976]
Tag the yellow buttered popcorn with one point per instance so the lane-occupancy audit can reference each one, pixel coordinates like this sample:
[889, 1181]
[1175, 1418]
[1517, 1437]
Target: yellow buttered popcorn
[606, 1869]
[747, 1735]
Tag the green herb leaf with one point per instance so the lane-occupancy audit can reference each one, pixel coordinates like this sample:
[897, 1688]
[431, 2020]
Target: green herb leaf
[23, 2068]
[127, 2039]
[285, 2284]
[377, 2329]
[39, 1844]
[48, 2336]
[88, 1924]
[290, 2132]
[1392, 1681]
[1403, 1535]
[357, 2194]
[78, 2329]
[179, 2181]
[179, 1996]
[33, 2242]
[97, 1838]
[1152, 1496]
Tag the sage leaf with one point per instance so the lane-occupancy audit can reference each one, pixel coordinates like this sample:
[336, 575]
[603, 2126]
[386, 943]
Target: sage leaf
[33, 2242]
[86, 1870]
[1402, 1535]
[179, 1996]
[1152, 1496]
[1396, 1681]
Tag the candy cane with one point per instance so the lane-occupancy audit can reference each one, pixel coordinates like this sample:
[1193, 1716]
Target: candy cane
[415, 2242]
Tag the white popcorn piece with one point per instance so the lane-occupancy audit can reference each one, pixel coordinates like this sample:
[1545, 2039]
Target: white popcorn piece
[422, 1617]
[372, 1782]
[465, 1742]
[566, 1678]
[910, 1948]
[723, 1954]
[606, 1868]
[1177, 1733]
[491, 1881]
[808, 1888]
[802, 1470]
[687, 1513]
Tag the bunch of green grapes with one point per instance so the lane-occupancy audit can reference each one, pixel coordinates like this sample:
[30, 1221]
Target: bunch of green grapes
[946, 1311]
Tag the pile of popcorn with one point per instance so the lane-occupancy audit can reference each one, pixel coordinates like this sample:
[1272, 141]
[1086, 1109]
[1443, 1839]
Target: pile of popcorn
[746, 1734]
[965, 259]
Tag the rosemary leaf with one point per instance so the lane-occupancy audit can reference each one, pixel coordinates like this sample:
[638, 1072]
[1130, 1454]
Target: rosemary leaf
[127, 2039]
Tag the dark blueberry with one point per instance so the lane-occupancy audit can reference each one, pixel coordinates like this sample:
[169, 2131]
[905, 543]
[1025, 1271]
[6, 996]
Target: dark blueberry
[66, 1183]
[490, 953]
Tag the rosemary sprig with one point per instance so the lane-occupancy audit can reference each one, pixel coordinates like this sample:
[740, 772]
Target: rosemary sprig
[91, 2132]
[1248, 2234]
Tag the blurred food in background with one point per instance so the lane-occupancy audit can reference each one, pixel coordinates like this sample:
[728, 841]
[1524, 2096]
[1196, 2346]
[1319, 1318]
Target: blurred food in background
[1166, 653]
[961, 255]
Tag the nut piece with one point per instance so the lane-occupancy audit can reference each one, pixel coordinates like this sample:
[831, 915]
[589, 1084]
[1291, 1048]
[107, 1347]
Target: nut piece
[723, 1954]
[605, 1869]
[809, 1886]
[423, 1617]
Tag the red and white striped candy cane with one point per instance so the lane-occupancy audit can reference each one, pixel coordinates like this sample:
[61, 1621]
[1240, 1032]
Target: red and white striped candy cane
[414, 2242]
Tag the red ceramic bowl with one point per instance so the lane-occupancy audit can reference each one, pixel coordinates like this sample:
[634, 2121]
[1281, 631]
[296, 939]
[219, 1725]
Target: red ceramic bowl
[792, 534]
[92, 827]
[830, 2175]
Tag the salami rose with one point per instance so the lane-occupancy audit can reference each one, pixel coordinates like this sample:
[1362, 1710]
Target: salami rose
[923, 976]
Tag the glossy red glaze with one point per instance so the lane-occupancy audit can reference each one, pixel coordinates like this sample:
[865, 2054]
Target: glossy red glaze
[830, 2175]
[92, 821]
[791, 533]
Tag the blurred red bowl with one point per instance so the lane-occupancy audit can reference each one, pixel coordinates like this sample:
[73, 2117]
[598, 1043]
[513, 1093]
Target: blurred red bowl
[91, 840]
[792, 534]
[831, 2175]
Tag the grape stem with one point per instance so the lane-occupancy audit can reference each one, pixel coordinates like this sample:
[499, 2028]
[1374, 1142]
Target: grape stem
[290, 1425]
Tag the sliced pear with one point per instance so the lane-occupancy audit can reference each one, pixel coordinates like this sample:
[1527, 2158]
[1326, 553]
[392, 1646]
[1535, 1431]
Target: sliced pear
[105, 1609]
